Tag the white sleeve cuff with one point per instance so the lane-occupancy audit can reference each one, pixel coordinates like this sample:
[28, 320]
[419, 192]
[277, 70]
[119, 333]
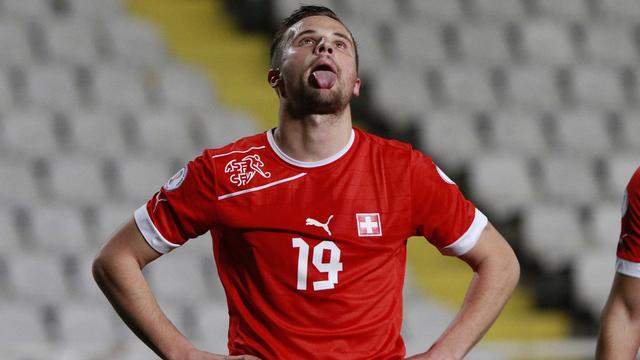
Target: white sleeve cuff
[627, 267]
[469, 239]
[151, 233]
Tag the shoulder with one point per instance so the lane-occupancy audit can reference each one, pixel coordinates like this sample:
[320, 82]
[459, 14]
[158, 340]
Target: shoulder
[386, 147]
[245, 144]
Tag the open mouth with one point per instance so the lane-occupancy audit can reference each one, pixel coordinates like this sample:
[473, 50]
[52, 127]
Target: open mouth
[323, 76]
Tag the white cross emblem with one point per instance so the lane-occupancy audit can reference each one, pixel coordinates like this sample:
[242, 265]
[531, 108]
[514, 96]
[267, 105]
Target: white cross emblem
[369, 224]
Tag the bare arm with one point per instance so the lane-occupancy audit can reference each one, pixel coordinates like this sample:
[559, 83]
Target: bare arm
[496, 273]
[619, 336]
[118, 271]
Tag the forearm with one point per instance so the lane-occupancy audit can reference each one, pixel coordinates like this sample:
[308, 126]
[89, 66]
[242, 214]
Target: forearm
[619, 336]
[122, 281]
[490, 288]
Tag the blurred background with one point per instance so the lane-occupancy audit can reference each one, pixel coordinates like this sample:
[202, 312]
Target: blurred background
[531, 106]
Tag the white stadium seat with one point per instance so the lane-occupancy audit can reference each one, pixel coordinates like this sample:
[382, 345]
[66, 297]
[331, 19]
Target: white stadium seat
[95, 9]
[468, 86]
[179, 277]
[27, 9]
[212, 326]
[134, 41]
[502, 183]
[547, 42]
[619, 170]
[484, 43]
[87, 323]
[18, 181]
[568, 179]
[8, 229]
[630, 129]
[21, 323]
[594, 270]
[552, 235]
[371, 9]
[431, 50]
[222, 127]
[401, 102]
[626, 10]
[14, 36]
[140, 178]
[498, 10]
[583, 132]
[70, 41]
[533, 87]
[118, 87]
[371, 51]
[30, 124]
[58, 229]
[435, 10]
[183, 87]
[112, 216]
[611, 44]
[518, 131]
[605, 224]
[52, 87]
[6, 91]
[569, 10]
[36, 277]
[165, 133]
[97, 133]
[78, 179]
[439, 127]
[598, 87]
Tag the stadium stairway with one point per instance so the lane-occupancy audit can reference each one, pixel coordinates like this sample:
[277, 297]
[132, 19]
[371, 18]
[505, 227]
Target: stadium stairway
[199, 32]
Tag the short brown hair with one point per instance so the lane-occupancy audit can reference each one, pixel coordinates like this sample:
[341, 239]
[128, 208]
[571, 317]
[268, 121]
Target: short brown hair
[302, 12]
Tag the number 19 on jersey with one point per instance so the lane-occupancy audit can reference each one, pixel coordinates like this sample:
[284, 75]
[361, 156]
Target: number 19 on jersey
[331, 268]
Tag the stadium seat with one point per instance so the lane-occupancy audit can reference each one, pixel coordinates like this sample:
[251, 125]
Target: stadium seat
[87, 323]
[468, 87]
[597, 87]
[97, 133]
[372, 55]
[402, 103]
[19, 182]
[58, 229]
[222, 127]
[118, 87]
[371, 9]
[284, 8]
[140, 178]
[30, 124]
[498, 10]
[604, 226]
[483, 43]
[630, 129]
[568, 10]
[52, 87]
[9, 233]
[430, 51]
[36, 277]
[27, 9]
[14, 36]
[134, 41]
[553, 235]
[502, 176]
[619, 170]
[211, 326]
[610, 44]
[517, 131]
[78, 179]
[110, 217]
[534, 87]
[438, 130]
[6, 90]
[21, 322]
[166, 132]
[70, 41]
[183, 88]
[94, 9]
[570, 180]
[625, 10]
[593, 273]
[583, 132]
[178, 278]
[435, 10]
[546, 42]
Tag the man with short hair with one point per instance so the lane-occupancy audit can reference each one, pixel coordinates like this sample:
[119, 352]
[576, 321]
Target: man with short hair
[309, 224]
[619, 336]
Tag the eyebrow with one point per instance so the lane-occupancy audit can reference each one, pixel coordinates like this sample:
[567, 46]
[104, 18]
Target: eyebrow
[311, 31]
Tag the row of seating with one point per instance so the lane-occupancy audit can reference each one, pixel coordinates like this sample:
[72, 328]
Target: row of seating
[484, 10]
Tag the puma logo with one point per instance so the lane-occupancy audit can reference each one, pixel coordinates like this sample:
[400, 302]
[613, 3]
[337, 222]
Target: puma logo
[325, 226]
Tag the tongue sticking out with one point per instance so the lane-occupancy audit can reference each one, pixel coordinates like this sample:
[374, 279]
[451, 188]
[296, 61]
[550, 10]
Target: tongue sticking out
[325, 79]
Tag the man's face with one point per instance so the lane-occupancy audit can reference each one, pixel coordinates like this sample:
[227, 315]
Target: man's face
[318, 68]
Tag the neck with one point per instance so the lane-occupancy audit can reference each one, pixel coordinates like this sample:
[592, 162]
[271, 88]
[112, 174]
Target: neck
[313, 137]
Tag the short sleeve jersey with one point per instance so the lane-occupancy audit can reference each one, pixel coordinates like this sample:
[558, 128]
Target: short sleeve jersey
[312, 255]
[628, 253]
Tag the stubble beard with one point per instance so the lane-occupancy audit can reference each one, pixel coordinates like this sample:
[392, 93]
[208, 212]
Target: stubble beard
[308, 100]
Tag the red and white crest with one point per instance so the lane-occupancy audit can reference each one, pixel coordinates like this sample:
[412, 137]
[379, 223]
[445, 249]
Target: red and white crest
[369, 224]
[242, 171]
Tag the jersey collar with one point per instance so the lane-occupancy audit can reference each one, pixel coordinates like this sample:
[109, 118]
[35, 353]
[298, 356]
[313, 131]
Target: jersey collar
[308, 164]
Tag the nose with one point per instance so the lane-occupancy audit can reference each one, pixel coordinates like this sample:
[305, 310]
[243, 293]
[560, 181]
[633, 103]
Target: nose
[324, 47]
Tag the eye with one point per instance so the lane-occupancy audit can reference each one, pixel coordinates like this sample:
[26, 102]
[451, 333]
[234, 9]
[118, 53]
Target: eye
[306, 41]
[341, 44]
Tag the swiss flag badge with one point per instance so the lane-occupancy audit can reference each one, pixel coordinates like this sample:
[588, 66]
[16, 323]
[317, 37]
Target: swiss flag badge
[369, 224]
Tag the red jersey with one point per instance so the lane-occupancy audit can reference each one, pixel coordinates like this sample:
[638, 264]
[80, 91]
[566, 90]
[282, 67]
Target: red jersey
[628, 261]
[312, 254]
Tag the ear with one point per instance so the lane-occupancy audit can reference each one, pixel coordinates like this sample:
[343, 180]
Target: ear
[273, 76]
[356, 87]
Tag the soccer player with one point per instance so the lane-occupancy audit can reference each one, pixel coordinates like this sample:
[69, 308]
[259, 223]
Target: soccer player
[309, 223]
[620, 325]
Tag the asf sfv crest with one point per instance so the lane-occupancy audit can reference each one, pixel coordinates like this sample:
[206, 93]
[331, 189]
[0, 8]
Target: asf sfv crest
[242, 171]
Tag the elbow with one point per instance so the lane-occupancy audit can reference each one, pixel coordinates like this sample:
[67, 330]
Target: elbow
[512, 270]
